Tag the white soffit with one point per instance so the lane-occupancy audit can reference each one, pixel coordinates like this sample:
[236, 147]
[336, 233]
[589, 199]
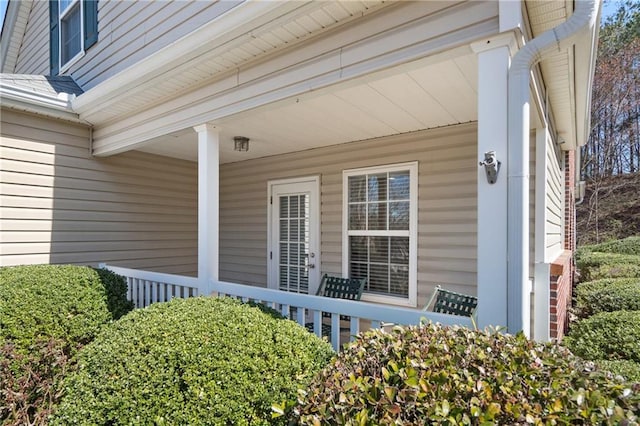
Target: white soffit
[557, 69]
[407, 100]
[292, 22]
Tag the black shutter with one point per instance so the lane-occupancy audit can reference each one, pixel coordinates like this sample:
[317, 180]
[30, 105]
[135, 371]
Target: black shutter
[54, 44]
[90, 23]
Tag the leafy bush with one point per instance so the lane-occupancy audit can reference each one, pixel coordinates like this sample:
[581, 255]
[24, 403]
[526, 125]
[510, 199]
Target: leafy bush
[596, 265]
[418, 375]
[70, 303]
[607, 295]
[115, 287]
[192, 361]
[630, 245]
[607, 336]
[628, 369]
[46, 314]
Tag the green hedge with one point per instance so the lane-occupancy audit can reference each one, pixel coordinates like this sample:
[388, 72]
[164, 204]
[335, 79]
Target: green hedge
[628, 369]
[47, 313]
[596, 265]
[607, 295]
[630, 245]
[607, 336]
[194, 361]
[436, 375]
[65, 302]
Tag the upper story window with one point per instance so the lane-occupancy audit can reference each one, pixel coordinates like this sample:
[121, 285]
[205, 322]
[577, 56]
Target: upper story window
[380, 233]
[70, 30]
[73, 28]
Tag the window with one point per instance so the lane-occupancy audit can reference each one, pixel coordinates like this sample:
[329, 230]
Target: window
[73, 28]
[380, 233]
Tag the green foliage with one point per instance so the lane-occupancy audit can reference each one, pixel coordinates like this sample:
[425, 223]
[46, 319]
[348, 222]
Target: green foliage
[436, 375]
[628, 369]
[607, 336]
[596, 265]
[193, 361]
[115, 287]
[47, 313]
[70, 303]
[607, 295]
[629, 245]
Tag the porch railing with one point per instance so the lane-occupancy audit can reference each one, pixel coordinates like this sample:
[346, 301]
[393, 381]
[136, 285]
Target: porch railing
[146, 287]
[303, 308]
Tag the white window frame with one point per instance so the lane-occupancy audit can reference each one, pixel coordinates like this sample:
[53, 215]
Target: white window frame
[62, 14]
[412, 233]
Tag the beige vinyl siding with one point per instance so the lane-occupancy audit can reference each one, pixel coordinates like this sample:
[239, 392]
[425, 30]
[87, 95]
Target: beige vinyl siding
[447, 204]
[129, 31]
[60, 205]
[33, 56]
[555, 203]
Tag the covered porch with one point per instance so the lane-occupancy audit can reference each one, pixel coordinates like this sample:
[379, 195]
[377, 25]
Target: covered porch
[365, 159]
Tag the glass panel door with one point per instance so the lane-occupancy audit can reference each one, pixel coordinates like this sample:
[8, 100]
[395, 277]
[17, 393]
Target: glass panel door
[294, 263]
[293, 243]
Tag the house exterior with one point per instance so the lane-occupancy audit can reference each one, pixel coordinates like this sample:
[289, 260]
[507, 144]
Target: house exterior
[412, 143]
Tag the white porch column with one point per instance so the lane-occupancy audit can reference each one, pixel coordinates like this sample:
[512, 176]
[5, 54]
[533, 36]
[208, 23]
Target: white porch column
[493, 65]
[208, 205]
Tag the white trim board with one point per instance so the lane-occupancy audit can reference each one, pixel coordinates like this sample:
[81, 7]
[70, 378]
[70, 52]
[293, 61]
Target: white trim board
[404, 41]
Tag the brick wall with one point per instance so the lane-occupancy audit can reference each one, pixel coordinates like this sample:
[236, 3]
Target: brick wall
[561, 281]
[563, 268]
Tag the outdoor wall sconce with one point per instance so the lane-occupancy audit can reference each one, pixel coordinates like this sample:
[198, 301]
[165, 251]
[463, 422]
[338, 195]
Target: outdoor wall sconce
[240, 143]
[491, 166]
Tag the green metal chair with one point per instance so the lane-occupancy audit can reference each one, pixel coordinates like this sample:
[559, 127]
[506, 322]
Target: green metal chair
[338, 288]
[452, 303]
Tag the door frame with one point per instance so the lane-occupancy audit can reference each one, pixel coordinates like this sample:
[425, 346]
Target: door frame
[315, 210]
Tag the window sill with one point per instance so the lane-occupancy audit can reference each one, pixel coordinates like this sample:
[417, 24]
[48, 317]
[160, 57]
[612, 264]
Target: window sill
[389, 300]
[71, 62]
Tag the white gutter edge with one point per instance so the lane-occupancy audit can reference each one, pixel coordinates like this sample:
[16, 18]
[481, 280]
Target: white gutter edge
[594, 57]
[51, 106]
[584, 18]
[237, 21]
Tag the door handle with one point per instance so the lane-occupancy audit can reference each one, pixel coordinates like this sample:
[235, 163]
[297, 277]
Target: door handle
[310, 265]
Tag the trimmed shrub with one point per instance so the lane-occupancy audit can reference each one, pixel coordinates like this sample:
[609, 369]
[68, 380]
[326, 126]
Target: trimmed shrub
[628, 369]
[47, 313]
[629, 245]
[115, 288]
[596, 265]
[65, 302]
[607, 295]
[191, 361]
[607, 336]
[431, 374]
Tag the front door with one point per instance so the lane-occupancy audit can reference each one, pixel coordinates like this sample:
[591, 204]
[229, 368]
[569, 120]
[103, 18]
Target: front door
[294, 246]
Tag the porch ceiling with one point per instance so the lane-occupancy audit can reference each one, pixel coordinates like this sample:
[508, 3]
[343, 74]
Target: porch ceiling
[405, 99]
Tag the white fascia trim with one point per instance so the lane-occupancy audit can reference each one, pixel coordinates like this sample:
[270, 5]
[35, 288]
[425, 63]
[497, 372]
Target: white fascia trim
[232, 24]
[37, 103]
[60, 102]
[586, 51]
